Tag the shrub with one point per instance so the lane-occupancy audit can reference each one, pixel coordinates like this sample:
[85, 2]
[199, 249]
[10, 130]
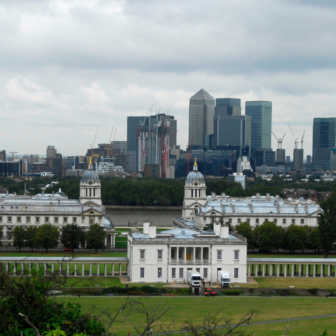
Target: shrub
[183, 291]
[233, 292]
[313, 291]
[251, 290]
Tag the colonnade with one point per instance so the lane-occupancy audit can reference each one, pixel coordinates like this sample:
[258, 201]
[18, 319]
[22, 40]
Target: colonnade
[278, 269]
[188, 255]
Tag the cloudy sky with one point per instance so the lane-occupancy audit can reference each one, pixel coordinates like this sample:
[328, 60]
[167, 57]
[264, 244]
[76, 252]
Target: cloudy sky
[68, 66]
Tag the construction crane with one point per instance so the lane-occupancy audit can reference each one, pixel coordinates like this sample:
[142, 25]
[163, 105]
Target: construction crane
[112, 145]
[188, 156]
[12, 155]
[302, 139]
[165, 156]
[94, 140]
[279, 140]
[295, 140]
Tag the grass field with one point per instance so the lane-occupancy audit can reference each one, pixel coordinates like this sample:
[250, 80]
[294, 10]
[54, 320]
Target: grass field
[195, 308]
[324, 283]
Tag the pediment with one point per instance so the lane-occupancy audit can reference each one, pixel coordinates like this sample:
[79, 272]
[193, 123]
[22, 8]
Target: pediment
[192, 205]
[91, 204]
[92, 212]
[213, 210]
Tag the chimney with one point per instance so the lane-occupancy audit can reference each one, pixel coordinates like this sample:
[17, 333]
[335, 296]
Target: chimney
[152, 231]
[224, 231]
[213, 194]
[258, 195]
[59, 190]
[146, 227]
[217, 227]
[223, 194]
[268, 195]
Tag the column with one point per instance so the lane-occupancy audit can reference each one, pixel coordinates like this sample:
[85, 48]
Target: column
[105, 270]
[53, 268]
[202, 257]
[7, 267]
[90, 269]
[314, 270]
[293, 270]
[270, 269]
[127, 269]
[285, 270]
[30, 267]
[75, 273]
[278, 269]
[113, 240]
[329, 271]
[105, 241]
[83, 269]
[112, 270]
[248, 270]
[45, 268]
[37, 267]
[322, 270]
[68, 269]
[120, 269]
[22, 268]
[307, 270]
[185, 254]
[194, 254]
[97, 269]
[14, 269]
[263, 270]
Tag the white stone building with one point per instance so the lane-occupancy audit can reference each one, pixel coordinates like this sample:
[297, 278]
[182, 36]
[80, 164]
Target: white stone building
[204, 210]
[57, 209]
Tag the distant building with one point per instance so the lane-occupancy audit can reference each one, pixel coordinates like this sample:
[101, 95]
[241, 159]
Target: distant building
[261, 123]
[324, 138]
[3, 155]
[298, 159]
[51, 151]
[119, 145]
[309, 159]
[264, 157]
[244, 165]
[201, 118]
[239, 178]
[280, 156]
[152, 170]
[11, 168]
[288, 159]
[34, 158]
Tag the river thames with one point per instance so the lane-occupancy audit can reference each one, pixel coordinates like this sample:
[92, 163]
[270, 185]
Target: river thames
[160, 218]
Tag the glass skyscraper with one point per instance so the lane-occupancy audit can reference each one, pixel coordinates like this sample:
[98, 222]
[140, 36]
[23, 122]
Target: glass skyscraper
[324, 139]
[261, 123]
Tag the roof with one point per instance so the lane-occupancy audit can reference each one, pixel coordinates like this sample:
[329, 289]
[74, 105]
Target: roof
[202, 94]
[90, 175]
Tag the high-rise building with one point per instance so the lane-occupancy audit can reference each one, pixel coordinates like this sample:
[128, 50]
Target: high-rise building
[324, 138]
[51, 151]
[309, 159]
[298, 158]
[3, 155]
[280, 156]
[261, 123]
[225, 107]
[288, 159]
[133, 124]
[201, 118]
[265, 157]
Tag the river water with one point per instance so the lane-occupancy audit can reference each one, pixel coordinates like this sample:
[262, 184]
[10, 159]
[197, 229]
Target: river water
[160, 218]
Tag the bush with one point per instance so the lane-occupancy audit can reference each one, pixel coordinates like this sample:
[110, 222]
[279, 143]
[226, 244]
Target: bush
[232, 292]
[313, 291]
[251, 290]
[183, 291]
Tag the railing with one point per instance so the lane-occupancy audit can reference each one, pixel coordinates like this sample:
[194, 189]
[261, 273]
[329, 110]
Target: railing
[189, 262]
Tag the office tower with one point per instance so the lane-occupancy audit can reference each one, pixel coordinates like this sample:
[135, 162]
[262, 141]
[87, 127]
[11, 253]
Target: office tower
[280, 156]
[2, 155]
[122, 145]
[298, 158]
[201, 118]
[324, 138]
[33, 158]
[287, 158]
[265, 157]
[233, 131]
[309, 159]
[14, 168]
[51, 151]
[225, 107]
[261, 123]
[133, 124]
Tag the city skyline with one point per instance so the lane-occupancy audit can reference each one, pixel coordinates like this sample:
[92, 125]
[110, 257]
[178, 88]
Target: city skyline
[63, 77]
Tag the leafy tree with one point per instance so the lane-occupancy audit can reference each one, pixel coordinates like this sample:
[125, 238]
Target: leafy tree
[313, 239]
[296, 238]
[245, 230]
[270, 236]
[71, 236]
[1, 234]
[327, 224]
[19, 235]
[95, 237]
[47, 236]
[30, 242]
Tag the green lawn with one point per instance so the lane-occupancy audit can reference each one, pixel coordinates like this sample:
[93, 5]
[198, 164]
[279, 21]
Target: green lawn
[77, 253]
[195, 308]
[257, 255]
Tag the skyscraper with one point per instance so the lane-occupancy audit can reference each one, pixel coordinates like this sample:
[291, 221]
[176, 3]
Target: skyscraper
[201, 118]
[298, 158]
[51, 151]
[324, 139]
[261, 123]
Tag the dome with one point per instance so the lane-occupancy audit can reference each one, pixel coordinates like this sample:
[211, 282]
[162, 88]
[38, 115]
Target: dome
[195, 176]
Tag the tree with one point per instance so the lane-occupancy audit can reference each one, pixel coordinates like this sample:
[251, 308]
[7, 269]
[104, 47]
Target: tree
[1, 234]
[313, 239]
[95, 237]
[47, 236]
[296, 238]
[30, 242]
[245, 230]
[327, 224]
[71, 236]
[19, 235]
[270, 236]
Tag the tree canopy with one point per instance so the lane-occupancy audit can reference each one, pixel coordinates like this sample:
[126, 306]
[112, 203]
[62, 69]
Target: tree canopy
[95, 237]
[47, 236]
[72, 235]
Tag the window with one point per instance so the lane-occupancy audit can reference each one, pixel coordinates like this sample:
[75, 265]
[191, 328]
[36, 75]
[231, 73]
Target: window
[159, 272]
[142, 272]
[293, 221]
[173, 273]
[205, 273]
[65, 219]
[189, 269]
[160, 254]
[275, 221]
[28, 219]
[181, 273]
[74, 220]
[248, 220]
[257, 221]
[91, 220]
[0, 219]
[18, 219]
[46, 220]
[284, 221]
[83, 220]
[198, 270]
[9, 219]
[37, 219]
[265, 220]
[239, 220]
[236, 255]
[302, 221]
[236, 273]
[142, 254]
[219, 255]
[56, 219]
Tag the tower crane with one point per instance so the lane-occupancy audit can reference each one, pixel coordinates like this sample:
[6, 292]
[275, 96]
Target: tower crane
[295, 140]
[279, 140]
[13, 155]
[302, 139]
[94, 140]
[110, 143]
[188, 156]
